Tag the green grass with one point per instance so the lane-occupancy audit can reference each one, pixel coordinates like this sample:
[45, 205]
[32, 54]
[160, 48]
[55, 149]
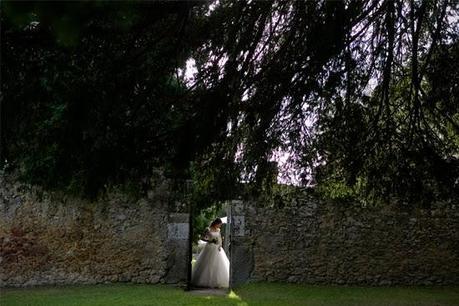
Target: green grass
[251, 294]
[290, 294]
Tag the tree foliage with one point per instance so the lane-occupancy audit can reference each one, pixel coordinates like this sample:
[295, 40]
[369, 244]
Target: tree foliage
[91, 90]
[361, 96]
[297, 77]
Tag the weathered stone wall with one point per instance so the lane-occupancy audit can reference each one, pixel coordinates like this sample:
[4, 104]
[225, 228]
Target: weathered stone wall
[306, 240]
[46, 238]
[50, 239]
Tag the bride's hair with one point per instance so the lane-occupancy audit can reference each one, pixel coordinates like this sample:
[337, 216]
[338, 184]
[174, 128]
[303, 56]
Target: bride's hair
[216, 221]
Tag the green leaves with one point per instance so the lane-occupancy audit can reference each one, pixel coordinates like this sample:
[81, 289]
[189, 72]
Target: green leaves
[92, 96]
[362, 95]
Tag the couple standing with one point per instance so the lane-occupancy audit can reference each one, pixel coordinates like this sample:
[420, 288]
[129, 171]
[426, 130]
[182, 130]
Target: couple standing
[211, 269]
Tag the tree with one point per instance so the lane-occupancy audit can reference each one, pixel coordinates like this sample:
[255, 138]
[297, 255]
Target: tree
[297, 76]
[361, 95]
[91, 90]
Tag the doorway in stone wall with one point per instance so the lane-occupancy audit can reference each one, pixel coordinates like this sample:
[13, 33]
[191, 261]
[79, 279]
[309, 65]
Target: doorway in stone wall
[199, 221]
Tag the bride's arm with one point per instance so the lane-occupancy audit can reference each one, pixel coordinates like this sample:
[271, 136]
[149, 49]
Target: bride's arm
[220, 242]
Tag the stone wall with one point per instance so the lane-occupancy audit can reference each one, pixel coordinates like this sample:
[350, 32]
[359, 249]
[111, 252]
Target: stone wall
[307, 240]
[46, 238]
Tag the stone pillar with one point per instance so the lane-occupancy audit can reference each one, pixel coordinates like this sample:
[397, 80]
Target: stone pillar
[241, 254]
[178, 229]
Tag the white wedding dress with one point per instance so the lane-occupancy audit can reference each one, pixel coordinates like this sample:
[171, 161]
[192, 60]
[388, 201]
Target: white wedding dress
[211, 269]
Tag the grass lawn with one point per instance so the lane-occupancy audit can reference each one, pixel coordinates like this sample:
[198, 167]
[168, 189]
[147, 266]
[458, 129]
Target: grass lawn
[251, 294]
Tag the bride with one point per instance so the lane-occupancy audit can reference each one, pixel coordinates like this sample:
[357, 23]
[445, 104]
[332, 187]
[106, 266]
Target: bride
[212, 266]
